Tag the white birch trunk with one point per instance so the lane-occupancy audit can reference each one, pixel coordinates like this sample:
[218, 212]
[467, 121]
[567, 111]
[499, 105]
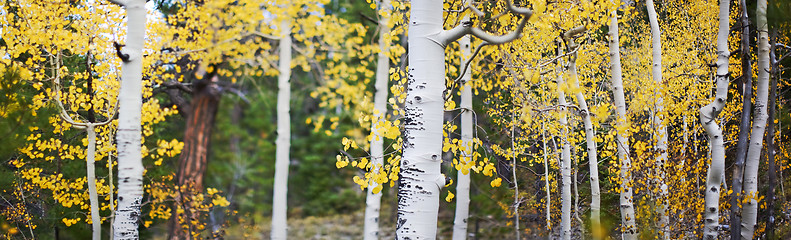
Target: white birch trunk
[708, 114]
[421, 180]
[283, 141]
[593, 160]
[628, 227]
[463, 180]
[96, 220]
[129, 139]
[565, 160]
[750, 211]
[373, 200]
[659, 125]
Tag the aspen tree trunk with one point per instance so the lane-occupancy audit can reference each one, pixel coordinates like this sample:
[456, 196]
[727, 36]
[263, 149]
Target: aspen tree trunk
[283, 142]
[373, 200]
[744, 126]
[463, 180]
[546, 175]
[421, 180]
[90, 151]
[130, 164]
[593, 160]
[659, 125]
[565, 159]
[708, 115]
[628, 227]
[770, 143]
[750, 212]
[96, 220]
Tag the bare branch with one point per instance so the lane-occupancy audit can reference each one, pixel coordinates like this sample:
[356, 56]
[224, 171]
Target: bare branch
[448, 36]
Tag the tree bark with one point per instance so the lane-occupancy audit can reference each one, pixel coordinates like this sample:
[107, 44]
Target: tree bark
[546, 176]
[628, 227]
[744, 125]
[770, 143]
[753, 159]
[373, 200]
[194, 157]
[130, 164]
[421, 180]
[420, 177]
[96, 219]
[463, 179]
[708, 115]
[283, 141]
[590, 134]
[565, 158]
[659, 125]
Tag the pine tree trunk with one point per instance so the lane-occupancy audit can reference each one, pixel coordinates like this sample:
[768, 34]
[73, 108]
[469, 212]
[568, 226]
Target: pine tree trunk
[628, 227]
[283, 142]
[744, 126]
[463, 178]
[659, 125]
[708, 115]
[753, 159]
[565, 159]
[130, 164]
[194, 157]
[373, 200]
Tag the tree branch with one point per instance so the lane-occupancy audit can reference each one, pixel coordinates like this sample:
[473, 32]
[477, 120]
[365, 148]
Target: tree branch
[448, 36]
[121, 3]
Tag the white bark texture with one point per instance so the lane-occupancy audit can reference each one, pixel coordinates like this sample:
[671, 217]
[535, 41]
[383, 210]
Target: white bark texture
[750, 211]
[565, 159]
[628, 227]
[130, 164]
[463, 180]
[421, 180]
[659, 125]
[590, 135]
[283, 141]
[546, 175]
[373, 200]
[96, 219]
[708, 115]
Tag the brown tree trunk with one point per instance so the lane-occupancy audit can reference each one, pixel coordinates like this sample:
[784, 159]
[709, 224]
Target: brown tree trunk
[194, 157]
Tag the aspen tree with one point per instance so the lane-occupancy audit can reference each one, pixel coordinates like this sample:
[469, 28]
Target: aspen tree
[628, 226]
[753, 159]
[658, 121]
[565, 157]
[421, 179]
[771, 145]
[463, 178]
[283, 142]
[744, 125]
[593, 167]
[130, 165]
[90, 129]
[708, 115]
[373, 194]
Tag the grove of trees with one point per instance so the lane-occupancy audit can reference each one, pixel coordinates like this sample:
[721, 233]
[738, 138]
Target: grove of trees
[380, 119]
